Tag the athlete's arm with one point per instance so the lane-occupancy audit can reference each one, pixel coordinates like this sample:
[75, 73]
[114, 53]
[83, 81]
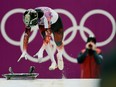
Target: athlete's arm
[47, 23]
[26, 38]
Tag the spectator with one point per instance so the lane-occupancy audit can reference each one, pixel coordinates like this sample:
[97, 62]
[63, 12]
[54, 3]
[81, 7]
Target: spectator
[90, 59]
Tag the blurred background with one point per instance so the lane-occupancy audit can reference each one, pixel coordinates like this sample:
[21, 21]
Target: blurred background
[80, 18]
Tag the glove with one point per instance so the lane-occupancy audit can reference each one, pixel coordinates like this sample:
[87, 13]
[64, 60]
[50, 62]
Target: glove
[24, 54]
[87, 46]
[94, 47]
[39, 54]
[91, 46]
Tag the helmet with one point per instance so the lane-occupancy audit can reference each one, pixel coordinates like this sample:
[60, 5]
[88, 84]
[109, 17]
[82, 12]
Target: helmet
[91, 38]
[30, 17]
[40, 12]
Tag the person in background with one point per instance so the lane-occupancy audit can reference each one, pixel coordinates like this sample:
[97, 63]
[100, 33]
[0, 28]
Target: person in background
[90, 59]
[49, 22]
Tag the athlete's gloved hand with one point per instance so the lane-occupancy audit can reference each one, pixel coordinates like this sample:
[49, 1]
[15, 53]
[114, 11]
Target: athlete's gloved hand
[24, 55]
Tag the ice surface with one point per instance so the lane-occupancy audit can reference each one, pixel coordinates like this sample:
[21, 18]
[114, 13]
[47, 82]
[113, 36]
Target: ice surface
[50, 83]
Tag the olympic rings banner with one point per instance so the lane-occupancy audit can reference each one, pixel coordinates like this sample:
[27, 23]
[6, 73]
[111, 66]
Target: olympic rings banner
[80, 18]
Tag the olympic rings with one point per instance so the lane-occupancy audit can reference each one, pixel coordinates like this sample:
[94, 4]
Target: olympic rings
[69, 58]
[74, 28]
[108, 15]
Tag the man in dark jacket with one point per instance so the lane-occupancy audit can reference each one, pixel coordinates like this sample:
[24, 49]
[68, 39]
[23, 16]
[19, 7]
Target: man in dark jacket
[90, 59]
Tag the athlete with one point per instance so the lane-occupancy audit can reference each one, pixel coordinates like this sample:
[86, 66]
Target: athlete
[49, 22]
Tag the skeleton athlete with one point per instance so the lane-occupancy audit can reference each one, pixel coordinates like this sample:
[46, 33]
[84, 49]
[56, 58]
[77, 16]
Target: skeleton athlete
[49, 22]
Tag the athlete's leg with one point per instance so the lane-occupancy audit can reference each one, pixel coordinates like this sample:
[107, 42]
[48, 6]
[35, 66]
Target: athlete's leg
[57, 29]
[46, 34]
[58, 36]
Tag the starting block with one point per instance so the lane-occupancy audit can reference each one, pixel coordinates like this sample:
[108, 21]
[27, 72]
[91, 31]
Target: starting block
[21, 76]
